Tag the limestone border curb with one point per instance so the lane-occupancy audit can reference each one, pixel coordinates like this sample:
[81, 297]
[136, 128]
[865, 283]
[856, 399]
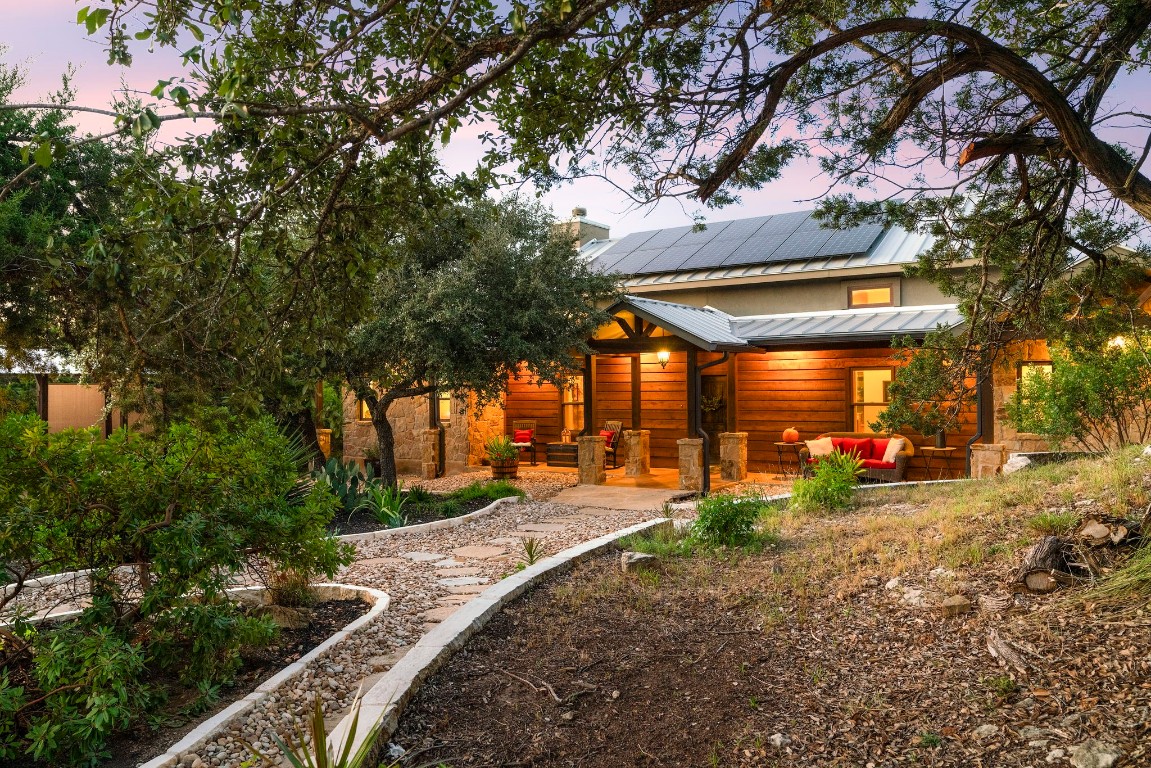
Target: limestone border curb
[205, 731]
[383, 704]
[435, 525]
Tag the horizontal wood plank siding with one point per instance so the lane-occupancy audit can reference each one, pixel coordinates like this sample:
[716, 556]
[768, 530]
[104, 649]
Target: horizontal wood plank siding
[663, 407]
[528, 399]
[612, 390]
[808, 390]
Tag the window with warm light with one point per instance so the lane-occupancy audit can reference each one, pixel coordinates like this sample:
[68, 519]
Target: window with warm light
[571, 408]
[1029, 371]
[871, 296]
[444, 407]
[362, 411]
[870, 395]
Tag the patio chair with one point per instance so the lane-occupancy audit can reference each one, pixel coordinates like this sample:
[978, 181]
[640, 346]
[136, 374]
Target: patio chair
[611, 443]
[525, 442]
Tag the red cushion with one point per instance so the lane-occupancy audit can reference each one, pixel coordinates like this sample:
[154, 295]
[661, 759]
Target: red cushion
[878, 448]
[861, 446]
[837, 443]
[522, 435]
[877, 464]
[607, 436]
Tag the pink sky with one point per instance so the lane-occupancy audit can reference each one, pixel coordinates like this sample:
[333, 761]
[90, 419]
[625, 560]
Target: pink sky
[41, 36]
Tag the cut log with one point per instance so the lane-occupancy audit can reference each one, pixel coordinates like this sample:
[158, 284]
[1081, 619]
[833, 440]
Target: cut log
[1095, 533]
[1040, 564]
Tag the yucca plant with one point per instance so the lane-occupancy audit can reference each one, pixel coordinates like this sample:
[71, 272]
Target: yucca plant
[533, 550]
[320, 752]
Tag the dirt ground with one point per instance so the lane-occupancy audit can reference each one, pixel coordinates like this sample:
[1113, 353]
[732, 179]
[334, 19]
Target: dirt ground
[828, 650]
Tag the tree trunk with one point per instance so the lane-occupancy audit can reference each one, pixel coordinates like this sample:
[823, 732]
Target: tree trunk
[386, 440]
[303, 424]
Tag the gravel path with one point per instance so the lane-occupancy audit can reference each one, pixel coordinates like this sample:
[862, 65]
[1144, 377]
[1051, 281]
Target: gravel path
[428, 575]
[540, 485]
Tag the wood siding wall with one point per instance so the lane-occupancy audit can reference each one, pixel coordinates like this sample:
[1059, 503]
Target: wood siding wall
[663, 406]
[528, 399]
[612, 395]
[808, 390]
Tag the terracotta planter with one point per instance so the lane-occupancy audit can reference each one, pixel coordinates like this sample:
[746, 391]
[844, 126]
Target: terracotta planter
[505, 469]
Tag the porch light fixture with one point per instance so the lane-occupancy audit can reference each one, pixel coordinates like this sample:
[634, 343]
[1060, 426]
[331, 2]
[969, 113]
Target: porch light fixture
[663, 356]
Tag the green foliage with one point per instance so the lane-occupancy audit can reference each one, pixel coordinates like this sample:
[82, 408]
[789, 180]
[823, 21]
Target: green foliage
[1098, 394]
[192, 508]
[386, 503]
[480, 292]
[345, 481]
[1054, 523]
[17, 396]
[450, 508]
[831, 485]
[727, 521]
[533, 550]
[493, 489]
[417, 494]
[500, 448]
[665, 541]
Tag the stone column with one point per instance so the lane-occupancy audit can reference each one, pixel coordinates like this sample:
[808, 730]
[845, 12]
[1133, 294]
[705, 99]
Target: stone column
[429, 453]
[987, 459]
[591, 460]
[691, 463]
[638, 461]
[733, 455]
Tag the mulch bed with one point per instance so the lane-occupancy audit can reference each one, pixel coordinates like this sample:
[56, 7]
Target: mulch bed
[144, 742]
[362, 521]
[718, 662]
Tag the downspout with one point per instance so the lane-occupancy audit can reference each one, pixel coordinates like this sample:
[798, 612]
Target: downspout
[434, 423]
[980, 417]
[705, 489]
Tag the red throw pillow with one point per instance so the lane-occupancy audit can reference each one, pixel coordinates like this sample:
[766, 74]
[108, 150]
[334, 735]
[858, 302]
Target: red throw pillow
[878, 448]
[522, 436]
[837, 443]
[860, 446]
[607, 437]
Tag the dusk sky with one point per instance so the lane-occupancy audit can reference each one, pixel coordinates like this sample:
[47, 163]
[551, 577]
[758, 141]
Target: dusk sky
[42, 37]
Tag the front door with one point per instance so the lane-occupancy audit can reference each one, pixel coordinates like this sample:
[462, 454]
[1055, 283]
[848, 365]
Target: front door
[713, 404]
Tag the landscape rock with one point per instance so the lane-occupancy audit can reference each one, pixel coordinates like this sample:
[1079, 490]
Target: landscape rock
[637, 561]
[1016, 463]
[779, 741]
[1055, 755]
[985, 732]
[1094, 753]
[955, 605]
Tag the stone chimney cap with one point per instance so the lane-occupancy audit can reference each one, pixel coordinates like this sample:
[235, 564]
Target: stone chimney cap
[579, 211]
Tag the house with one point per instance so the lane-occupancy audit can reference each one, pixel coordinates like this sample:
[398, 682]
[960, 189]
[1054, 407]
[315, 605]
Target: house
[740, 329]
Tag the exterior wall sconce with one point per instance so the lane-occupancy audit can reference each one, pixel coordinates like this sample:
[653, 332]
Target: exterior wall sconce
[663, 356]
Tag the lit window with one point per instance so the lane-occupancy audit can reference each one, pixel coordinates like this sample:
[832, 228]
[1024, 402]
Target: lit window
[362, 411]
[572, 407]
[870, 395]
[1029, 372]
[444, 407]
[870, 296]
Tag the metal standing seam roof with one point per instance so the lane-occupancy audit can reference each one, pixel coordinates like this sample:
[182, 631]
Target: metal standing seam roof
[847, 325]
[704, 327]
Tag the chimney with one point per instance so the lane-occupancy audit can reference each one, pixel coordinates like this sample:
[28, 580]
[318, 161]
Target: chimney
[584, 230]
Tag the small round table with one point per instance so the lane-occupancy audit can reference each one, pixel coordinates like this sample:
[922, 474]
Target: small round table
[931, 453]
[785, 471]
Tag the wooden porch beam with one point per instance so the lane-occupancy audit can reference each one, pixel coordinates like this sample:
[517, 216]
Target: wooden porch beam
[616, 346]
[627, 329]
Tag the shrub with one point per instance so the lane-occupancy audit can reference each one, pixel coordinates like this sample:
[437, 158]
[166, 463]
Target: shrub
[727, 520]
[385, 503]
[418, 494]
[190, 509]
[833, 480]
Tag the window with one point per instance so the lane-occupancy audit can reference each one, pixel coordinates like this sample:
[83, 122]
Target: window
[1029, 371]
[871, 296]
[444, 407]
[571, 408]
[362, 412]
[870, 395]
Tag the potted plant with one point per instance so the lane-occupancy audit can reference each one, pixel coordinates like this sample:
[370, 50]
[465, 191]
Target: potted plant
[503, 457]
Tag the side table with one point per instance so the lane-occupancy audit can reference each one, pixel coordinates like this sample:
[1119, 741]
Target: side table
[943, 455]
[562, 454]
[785, 470]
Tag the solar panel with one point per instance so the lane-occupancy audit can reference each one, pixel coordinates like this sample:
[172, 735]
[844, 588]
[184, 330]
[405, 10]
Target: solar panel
[854, 240]
[668, 259]
[665, 237]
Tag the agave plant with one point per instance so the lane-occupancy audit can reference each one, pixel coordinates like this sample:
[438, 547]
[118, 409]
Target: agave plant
[386, 503]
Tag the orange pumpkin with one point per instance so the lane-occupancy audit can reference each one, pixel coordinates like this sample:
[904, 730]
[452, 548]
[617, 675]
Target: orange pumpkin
[791, 435]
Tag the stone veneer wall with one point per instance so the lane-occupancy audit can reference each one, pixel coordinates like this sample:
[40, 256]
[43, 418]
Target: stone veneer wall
[464, 437]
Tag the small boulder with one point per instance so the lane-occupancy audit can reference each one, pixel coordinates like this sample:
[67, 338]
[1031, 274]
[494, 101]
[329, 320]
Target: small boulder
[984, 732]
[955, 605]
[1094, 753]
[1016, 463]
[779, 741]
[637, 561]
